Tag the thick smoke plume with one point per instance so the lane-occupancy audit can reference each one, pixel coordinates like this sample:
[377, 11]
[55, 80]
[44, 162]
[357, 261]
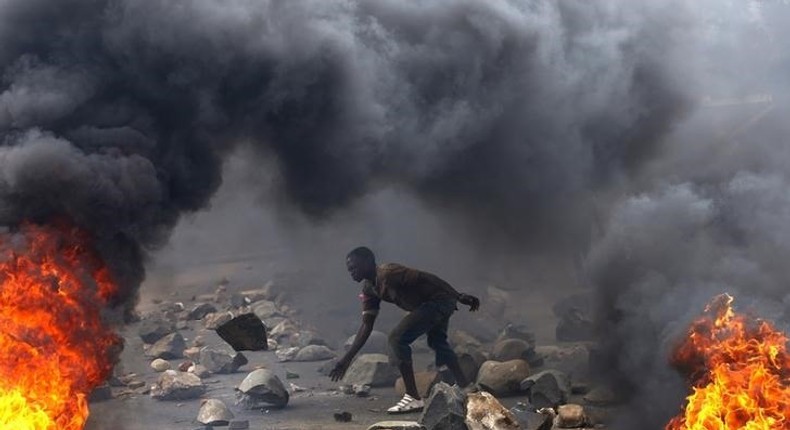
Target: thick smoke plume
[117, 113]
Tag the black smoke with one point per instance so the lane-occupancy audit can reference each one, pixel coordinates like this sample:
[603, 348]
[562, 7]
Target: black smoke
[508, 114]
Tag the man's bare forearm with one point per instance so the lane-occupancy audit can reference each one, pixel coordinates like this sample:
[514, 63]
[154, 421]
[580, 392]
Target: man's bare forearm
[362, 336]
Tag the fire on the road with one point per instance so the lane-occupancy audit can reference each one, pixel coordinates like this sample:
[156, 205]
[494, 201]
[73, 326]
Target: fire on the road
[54, 347]
[738, 368]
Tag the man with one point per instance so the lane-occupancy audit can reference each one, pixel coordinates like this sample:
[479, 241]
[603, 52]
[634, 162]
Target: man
[430, 302]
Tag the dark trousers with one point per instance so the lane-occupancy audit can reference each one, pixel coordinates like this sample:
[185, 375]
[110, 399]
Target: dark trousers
[431, 318]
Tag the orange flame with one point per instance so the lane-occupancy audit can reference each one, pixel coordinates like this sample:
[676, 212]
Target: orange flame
[54, 347]
[739, 370]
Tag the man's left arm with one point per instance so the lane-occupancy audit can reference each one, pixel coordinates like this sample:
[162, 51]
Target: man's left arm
[465, 299]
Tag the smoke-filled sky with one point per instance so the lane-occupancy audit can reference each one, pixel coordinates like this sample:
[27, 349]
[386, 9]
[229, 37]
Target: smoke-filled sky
[531, 125]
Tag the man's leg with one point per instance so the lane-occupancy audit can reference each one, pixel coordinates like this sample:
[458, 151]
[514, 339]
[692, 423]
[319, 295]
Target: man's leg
[412, 326]
[437, 340]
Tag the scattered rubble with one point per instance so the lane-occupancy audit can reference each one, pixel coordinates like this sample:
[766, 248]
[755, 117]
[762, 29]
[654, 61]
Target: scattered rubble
[262, 388]
[445, 409]
[425, 381]
[549, 388]
[484, 412]
[213, 412]
[371, 369]
[169, 347]
[160, 365]
[244, 333]
[220, 360]
[175, 385]
[503, 378]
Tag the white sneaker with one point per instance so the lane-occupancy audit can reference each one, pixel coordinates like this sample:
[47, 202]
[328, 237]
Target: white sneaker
[407, 404]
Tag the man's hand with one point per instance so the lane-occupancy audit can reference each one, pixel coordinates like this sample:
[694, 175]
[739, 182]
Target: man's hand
[340, 370]
[471, 301]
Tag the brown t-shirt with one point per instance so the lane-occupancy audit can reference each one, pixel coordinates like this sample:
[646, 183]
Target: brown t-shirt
[405, 287]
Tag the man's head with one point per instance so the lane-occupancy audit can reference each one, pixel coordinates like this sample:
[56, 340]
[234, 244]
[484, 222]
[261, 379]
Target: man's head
[361, 264]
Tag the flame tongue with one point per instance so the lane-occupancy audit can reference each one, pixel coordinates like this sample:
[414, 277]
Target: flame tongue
[54, 347]
[739, 370]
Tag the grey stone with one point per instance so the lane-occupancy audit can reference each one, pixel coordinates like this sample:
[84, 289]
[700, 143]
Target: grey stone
[397, 425]
[100, 394]
[445, 409]
[376, 343]
[198, 312]
[470, 363]
[169, 347]
[174, 385]
[160, 365]
[371, 369]
[262, 388]
[239, 425]
[510, 349]
[305, 338]
[529, 419]
[547, 389]
[513, 331]
[503, 378]
[287, 354]
[213, 412]
[265, 309]
[244, 333]
[220, 360]
[314, 353]
[153, 329]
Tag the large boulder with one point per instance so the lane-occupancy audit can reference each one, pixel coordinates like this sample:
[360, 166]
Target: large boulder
[214, 412]
[445, 409]
[425, 381]
[371, 369]
[154, 328]
[484, 412]
[246, 332]
[510, 349]
[175, 385]
[262, 388]
[547, 389]
[377, 343]
[314, 353]
[221, 360]
[169, 347]
[503, 378]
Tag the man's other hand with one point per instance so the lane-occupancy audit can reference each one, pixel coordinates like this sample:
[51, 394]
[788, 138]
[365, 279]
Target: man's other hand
[340, 370]
[471, 301]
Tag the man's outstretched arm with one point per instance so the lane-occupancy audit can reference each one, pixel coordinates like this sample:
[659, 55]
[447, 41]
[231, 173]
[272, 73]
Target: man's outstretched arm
[368, 319]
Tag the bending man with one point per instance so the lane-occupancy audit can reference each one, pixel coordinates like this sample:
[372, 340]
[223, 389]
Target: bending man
[430, 302]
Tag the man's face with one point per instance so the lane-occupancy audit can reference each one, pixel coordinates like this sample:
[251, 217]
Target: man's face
[357, 268]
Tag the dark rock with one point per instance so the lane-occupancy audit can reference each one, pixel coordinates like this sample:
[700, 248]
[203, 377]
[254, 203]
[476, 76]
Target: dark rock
[239, 425]
[169, 347]
[213, 412]
[529, 419]
[445, 409]
[100, 394]
[244, 333]
[200, 311]
[219, 360]
[262, 388]
[343, 417]
[371, 369]
[547, 389]
[153, 329]
[470, 363]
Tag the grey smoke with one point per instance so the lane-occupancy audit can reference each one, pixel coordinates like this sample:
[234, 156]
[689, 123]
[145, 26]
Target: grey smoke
[506, 114]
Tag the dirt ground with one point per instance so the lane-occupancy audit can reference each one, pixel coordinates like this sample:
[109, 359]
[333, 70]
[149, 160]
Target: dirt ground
[312, 408]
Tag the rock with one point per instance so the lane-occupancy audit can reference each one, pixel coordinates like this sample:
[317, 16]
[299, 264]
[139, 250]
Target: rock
[305, 338]
[213, 412]
[327, 367]
[484, 412]
[244, 333]
[192, 353]
[529, 419]
[169, 347]
[445, 409]
[100, 394]
[239, 425]
[198, 312]
[283, 331]
[371, 369]
[361, 390]
[547, 389]
[212, 321]
[199, 370]
[512, 331]
[219, 360]
[570, 416]
[470, 363]
[575, 326]
[601, 396]
[510, 349]
[174, 385]
[265, 309]
[461, 339]
[571, 359]
[377, 343]
[199, 341]
[153, 329]
[425, 381]
[262, 388]
[503, 378]
[184, 366]
[343, 417]
[287, 354]
[396, 425]
[160, 365]
[314, 353]
[291, 375]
